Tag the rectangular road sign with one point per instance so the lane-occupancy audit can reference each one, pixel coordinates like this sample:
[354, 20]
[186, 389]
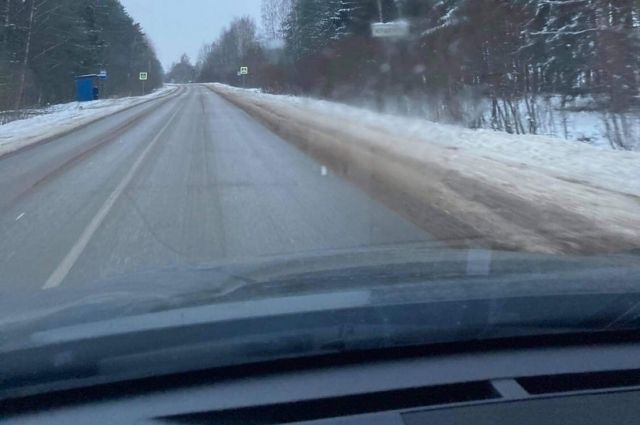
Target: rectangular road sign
[244, 70]
[390, 29]
[144, 76]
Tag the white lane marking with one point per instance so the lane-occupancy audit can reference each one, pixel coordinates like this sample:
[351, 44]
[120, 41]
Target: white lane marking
[19, 217]
[63, 269]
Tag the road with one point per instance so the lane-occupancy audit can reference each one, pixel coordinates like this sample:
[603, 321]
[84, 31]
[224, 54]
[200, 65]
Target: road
[182, 181]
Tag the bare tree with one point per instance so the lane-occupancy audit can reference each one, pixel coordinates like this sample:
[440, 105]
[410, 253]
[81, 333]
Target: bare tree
[27, 51]
[274, 13]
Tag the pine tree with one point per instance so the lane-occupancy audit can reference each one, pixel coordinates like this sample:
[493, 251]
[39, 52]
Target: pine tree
[310, 27]
[45, 43]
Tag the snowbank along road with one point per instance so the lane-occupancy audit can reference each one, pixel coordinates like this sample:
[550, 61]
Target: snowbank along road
[57, 120]
[468, 187]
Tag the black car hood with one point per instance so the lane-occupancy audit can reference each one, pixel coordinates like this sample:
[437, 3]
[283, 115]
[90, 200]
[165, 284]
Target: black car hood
[178, 321]
[390, 274]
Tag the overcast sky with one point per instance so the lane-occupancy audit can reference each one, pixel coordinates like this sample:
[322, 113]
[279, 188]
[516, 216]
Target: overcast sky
[182, 26]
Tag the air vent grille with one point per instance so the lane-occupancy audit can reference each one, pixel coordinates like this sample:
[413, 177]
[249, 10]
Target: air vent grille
[343, 406]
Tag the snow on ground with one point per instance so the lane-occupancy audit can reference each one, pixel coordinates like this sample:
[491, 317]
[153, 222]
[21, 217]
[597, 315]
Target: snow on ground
[577, 120]
[599, 166]
[562, 181]
[58, 119]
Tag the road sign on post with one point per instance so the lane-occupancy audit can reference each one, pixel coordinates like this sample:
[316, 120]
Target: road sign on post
[244, 71]
[398, 29]
[144, 76]
[102, 75]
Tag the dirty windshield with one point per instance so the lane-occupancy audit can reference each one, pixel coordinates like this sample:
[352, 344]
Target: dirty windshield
[163, 155]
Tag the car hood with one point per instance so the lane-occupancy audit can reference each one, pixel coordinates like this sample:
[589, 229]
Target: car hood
[388, 274]
[176, 321]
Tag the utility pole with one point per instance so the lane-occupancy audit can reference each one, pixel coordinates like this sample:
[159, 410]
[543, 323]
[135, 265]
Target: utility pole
[132, 71]
[385, 68]
[148, 73]
[388, 31]
[27, 53]
[4, 80]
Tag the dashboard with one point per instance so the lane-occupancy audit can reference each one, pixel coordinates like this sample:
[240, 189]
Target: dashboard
[581, 383]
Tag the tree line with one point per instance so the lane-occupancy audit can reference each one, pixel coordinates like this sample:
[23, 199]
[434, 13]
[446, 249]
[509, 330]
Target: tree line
[485, 63]
[44, 44]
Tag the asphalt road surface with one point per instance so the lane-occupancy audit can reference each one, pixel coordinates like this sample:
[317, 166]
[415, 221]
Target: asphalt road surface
[183, 181]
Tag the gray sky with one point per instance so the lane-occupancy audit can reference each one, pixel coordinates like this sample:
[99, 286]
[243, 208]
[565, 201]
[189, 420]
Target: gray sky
[182, 26]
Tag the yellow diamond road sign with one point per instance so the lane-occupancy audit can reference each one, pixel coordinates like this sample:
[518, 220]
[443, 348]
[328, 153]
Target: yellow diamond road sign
[144, 76]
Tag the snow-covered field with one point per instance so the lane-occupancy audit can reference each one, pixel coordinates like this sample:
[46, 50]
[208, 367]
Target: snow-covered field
[577, 120]
[597, 184]
[59, 119]
[574, 119]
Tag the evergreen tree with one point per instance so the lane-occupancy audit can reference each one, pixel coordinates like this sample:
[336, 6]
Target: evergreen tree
[182, 71]
[46, 43]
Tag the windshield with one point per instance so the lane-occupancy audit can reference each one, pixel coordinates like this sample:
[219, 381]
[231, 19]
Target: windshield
[158, 156]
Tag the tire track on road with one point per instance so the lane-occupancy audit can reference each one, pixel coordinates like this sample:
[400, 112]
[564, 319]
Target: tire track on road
[88, 150]
[64, 267]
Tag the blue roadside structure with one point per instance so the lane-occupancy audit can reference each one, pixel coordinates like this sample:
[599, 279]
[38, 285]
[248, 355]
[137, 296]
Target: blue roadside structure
[87, 87]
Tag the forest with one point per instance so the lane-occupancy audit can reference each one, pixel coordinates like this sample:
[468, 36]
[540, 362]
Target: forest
[521, 66]
[44, 44]
[511, 65]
